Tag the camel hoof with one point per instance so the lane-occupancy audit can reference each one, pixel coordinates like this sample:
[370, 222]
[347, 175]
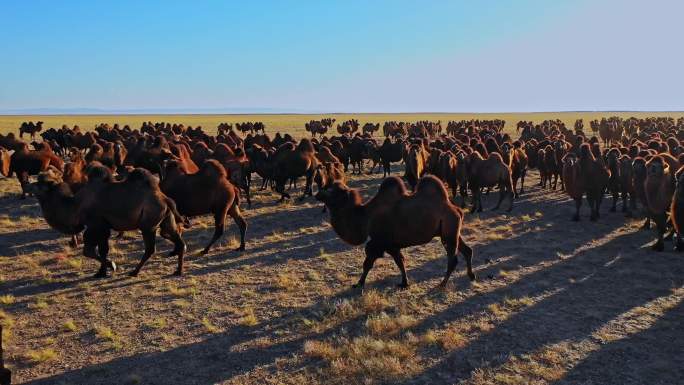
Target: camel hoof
[679, 246]
[177, 273]
[100, 274]
[403, 286]
[204, 252]
[133, 273]
[111, 265]
[472, 277]
[241, 248]
[658, 246]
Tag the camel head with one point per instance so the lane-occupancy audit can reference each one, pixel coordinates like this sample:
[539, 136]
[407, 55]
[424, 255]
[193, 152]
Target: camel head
[338, 195]
[656, 167]
[48, 181]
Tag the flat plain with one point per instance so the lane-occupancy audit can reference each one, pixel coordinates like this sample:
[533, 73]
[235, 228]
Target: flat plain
[294, 123]
[556, 302]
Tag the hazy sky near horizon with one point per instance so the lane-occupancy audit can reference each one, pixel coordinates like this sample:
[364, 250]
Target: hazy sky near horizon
[346, 56]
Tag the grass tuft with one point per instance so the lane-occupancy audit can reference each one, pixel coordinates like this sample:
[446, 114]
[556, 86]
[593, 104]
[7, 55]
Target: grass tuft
[40, 356]
[70, 325]
[7, 299]
[211, 328]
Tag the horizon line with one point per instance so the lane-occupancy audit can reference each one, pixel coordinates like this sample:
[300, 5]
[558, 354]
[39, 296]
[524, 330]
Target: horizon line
[143, 112]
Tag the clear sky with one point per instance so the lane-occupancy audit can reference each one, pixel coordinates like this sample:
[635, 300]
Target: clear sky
[343, 56]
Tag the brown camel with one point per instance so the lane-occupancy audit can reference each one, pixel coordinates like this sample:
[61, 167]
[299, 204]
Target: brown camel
[206, 192]
[677, 210]
[58, 204]
[489, 173]
[659, 187]
[395, 219]
[136, 203]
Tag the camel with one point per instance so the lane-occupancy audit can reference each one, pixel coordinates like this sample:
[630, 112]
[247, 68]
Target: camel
[136, 203]
[395, 219]
[489, 173]
[659, 187]
[206, 192]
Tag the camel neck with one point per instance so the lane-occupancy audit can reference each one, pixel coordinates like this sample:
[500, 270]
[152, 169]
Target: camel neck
[350, 223]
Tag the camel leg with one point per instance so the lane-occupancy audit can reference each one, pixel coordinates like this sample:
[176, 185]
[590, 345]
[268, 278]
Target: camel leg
[234, 213]
[522, 182]
[599, 200]
[679, 242]
[647, 223]
[73, 243]
[515, 188]
[671, 233]
[590, 199]
[659, 219]
[372, 253]
[103, 250]
[248, 195]
[399, 260]
[467, 252]
[502, 195]
[475, 195]
[578, 204]
[23, 181]
[91, 245]
[219, 226]
[452, 260]
[616, 196]
[149, 238]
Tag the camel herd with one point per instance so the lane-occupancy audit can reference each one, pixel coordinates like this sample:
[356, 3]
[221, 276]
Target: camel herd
[153, 178]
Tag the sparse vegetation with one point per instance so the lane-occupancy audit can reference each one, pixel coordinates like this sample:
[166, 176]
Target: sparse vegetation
[285, 306]
[41, 356]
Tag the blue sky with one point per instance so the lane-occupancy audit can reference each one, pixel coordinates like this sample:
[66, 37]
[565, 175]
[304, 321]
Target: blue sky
[346, 56]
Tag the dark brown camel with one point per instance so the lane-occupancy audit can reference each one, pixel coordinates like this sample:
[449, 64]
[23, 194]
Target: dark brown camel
[205, 192]
[136, 203]
[395, 219]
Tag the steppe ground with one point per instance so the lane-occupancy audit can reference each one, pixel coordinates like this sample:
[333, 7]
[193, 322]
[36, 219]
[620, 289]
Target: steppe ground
[294, 123]
[556, 302]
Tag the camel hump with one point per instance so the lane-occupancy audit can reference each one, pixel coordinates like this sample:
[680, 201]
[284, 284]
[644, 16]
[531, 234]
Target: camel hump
[392, 184]
[432, 186]
[96, 171]
[213, 168]
[143, 177]
[305, 145]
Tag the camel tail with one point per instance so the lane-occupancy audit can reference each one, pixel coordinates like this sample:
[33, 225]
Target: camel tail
[177, 216]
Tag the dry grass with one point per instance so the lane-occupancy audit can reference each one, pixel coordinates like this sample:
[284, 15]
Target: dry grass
[294, 123]
[41, 356]
[7, 299]
[284, 309]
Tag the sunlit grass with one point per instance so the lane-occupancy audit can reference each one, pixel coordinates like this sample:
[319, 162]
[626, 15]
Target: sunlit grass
[41, 356]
